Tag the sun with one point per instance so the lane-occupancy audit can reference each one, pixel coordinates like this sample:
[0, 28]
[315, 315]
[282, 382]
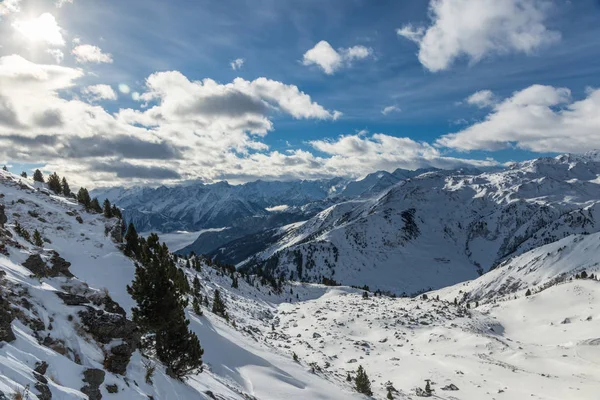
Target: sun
[41, 29]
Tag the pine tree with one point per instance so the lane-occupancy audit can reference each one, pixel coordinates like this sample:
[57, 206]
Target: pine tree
[528, 293]
[95, 205]
[132, 241]
[37, 176]
[23, 174]
[196, 306]
[362, 382]
[108, 212]
[54, 183]
[83, 197]
[160, 313]
[116, 211]
[234, 282]
[65, 187]
[219, 307]
[5, 168]
[37, 239]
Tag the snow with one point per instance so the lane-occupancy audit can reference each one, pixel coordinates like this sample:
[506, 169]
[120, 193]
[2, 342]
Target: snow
[507, 345]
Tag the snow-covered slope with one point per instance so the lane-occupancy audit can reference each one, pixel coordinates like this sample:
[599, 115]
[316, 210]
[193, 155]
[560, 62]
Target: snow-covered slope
[440, 228]
[64, 310]
[543, 346]
[535, 270]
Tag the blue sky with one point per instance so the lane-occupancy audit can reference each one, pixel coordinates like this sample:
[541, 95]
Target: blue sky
[535, 65]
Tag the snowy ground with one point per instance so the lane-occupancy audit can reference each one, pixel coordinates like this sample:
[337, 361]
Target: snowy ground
[512, 346]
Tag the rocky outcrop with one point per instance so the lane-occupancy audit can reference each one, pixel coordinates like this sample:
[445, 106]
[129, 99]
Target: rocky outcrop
[114, 230]
[6, 317]
[35, 264]
[93, 379]
[106, 327]
[3, 218]
[59, 266]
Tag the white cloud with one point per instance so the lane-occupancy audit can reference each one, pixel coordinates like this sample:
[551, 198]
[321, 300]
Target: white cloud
[10, 6]
[188, 130]
[124, 88]
[57, 54]
[41, 29]
[86, 53]
[478, 28]
[100, 92]
[330, 60]
[236, 64]
[482, 99]
[60, 3]
[538, 118]
[390, 109]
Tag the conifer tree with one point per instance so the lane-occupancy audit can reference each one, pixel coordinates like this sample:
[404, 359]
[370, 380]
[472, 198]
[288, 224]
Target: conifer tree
[65, 187]
[196, 306]
[5, 168]
[95, 205]
[131, 241]
[116, 211]
[219, 307]
[362, 382]
[83, 197]
[234, 282]
[37, 176]
[108, 212]
[23, 174]
[54, 183]
[528, 293]
[160, 313]
[37, 239]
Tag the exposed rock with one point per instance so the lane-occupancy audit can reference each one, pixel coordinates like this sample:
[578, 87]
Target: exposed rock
[106, 327]
[79, 219]
[6, 317]
[72, 299]
[112, 388]
[3, 217]
[44, 391]
[94, 378]
[451, 386]
[35, 264]
[41, 367]
[60, 266]
[113, 228]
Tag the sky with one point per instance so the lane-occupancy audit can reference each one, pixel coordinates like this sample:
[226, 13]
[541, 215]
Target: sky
[112, 92]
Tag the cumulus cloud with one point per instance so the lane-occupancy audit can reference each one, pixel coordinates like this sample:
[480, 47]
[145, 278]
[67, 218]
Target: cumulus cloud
[186, 129]
[100, 92]
[478, 28]
[331, 60]
[538, 118]
[41, 29]
[390, 109]
[481, 99]
[86, 53]
[236, 64]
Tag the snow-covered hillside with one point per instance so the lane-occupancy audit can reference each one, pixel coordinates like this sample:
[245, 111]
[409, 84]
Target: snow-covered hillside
[68, 329]
[440, 228]
[64, 318]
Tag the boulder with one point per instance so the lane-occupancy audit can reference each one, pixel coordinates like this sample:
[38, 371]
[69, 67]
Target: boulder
[93, 378]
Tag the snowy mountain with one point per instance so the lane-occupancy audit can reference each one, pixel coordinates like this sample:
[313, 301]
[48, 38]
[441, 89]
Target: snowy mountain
[66, 330]
[440, 227]
[195, 206]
